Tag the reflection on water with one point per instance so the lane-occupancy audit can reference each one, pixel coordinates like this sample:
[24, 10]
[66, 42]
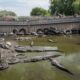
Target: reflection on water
[72, 59]
[72, 63]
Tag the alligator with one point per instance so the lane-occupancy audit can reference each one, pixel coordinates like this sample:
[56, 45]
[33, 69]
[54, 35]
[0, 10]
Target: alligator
[60, 66]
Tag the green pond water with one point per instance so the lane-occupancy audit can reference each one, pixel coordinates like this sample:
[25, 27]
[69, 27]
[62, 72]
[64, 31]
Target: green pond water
[44, 70]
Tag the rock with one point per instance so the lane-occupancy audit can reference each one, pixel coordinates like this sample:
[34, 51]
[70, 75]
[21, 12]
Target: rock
[3, 66]
[20, 49]
[50, 40]
[13, 60]
[2, 39]
[6, 45]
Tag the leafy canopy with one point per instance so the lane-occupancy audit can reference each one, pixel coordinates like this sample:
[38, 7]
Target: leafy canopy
[39, 12]
[67, 7]
[7, 13]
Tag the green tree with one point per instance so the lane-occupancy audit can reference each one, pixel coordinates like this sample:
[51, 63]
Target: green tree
[39, 12]
[62, 7]
[7, 13]
[54, 7]
[76, 6]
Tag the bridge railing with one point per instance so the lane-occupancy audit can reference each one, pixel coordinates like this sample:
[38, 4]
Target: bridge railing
[48, 21]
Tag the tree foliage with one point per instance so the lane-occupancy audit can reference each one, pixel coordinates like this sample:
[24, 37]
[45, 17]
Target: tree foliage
[39, 12]
[7, 13]
[76, 6]
[67, 7]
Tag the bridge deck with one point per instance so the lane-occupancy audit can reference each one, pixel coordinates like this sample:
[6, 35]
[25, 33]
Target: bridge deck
[39, 21]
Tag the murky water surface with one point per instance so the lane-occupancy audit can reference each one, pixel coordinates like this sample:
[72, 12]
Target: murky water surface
[44, 70]
[72, 63]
